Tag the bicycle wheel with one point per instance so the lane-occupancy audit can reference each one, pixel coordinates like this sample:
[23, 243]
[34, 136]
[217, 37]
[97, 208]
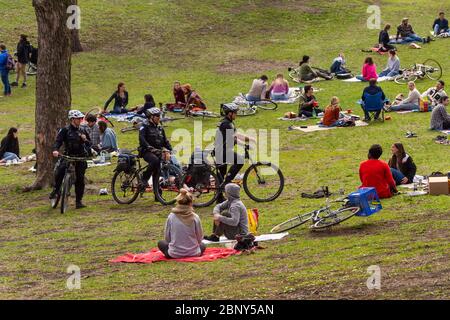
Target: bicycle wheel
[294, 76]
[335, 217]
[246, 111]
[405, 77]
[263, 182]
[433, 69]
[54, 202]
[125, 187]
[31, 70]
[65, 194]
[204, 193]
[267, 105]
[293, 223]
[169, 187]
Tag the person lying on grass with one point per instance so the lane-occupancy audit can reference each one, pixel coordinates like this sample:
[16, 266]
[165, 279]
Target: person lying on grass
[412, 102]
[406, 34]
[434, 94]
[402, 165]
[230, 217]
[440, 119]
[377, 174]
[307, 73]
[308, 104]
[183, 231]
[9, 147]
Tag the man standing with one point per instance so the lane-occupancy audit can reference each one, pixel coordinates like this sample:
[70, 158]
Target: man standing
[4, 70]
[76, 144]
[23, 58]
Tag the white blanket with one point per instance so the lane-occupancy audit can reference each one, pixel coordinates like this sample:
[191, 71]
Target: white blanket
[321, 128]
[380, 79]
[264, 237]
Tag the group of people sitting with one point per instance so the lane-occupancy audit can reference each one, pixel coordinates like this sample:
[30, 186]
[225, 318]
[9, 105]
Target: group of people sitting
[102, 138]
[260, 90]
[183, 232]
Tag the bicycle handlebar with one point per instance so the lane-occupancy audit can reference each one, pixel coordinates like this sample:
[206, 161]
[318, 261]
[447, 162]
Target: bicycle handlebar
[75, 159]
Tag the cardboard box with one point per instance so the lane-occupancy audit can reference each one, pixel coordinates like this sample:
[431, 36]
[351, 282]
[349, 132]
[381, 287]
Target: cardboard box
[438, 185]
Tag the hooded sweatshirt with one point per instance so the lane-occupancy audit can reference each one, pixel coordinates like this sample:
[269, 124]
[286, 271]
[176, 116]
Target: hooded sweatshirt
[236, 209]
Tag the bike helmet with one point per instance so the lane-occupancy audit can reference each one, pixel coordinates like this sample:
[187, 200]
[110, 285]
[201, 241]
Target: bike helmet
[229, 107]
[152, 112]
[75, 114]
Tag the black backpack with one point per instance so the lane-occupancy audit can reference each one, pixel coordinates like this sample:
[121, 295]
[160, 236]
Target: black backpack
[199, 169]
[245, 242]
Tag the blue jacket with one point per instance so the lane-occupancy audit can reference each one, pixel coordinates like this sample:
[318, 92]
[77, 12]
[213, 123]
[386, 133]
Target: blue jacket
[3, 60]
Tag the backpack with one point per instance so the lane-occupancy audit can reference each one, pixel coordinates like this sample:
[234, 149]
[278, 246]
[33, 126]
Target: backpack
[199, 169]
[245, 242]
[10, 63]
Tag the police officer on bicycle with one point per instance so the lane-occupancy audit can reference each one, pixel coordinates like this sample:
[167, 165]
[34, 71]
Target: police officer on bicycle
[154, 146]
[76, 143]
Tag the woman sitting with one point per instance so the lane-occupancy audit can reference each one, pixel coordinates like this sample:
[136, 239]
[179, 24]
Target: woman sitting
[9, 147]
[180, 99]
[120, 98]
[193, 99]
[332, 114]
[393, 65]
[369, 70]
[308, 74]
[149, 103]
[338, 65]
[402, 165]
[108, 138]
[183, 231]
[279, 90]
[412, 102]
[377, 174]
[258, 90]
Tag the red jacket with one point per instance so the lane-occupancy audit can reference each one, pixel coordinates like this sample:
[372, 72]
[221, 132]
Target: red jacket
[377, 174]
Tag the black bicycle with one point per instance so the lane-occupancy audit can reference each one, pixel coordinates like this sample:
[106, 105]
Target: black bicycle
[127, 183]
[63, 194]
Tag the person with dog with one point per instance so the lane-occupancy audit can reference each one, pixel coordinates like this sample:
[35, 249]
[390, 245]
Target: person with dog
[412, 102]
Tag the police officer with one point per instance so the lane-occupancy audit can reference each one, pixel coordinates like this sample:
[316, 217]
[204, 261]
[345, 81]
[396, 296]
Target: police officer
[76, 144]
[154, 145]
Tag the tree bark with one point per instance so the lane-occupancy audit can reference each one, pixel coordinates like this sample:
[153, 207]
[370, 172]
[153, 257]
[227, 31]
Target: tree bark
[75, 36]
[53, 95]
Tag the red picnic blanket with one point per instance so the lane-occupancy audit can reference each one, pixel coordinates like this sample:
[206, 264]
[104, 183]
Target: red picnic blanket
[154, 255]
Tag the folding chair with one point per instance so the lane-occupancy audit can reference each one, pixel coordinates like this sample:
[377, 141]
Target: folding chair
[373, 103]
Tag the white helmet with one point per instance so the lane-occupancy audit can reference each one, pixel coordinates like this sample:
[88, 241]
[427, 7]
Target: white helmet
[75, 114]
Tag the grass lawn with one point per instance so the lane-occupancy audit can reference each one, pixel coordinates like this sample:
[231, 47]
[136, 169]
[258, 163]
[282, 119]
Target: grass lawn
[219, 47]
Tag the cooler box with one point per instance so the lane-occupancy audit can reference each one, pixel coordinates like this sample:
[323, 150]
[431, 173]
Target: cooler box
[367, 199]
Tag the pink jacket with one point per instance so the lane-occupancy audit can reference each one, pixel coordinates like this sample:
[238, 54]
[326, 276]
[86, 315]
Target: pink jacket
[369, 71]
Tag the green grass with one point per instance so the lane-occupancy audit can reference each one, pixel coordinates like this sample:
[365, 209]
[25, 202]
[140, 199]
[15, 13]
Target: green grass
[219, 47]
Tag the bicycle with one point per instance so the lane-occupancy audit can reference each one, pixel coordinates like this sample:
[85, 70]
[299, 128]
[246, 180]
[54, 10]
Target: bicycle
[127, 182]
[249, 108]
[69, 179]
[262, 181]
[321, 218]
[97, 112]
[430, 69]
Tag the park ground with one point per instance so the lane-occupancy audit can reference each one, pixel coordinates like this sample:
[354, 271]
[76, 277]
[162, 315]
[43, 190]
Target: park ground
[219, 47]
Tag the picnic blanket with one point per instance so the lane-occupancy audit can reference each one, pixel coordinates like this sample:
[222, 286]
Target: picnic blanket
[445, 131]
[261, 238]
[293, 119]
[122, 117]
[323, 128]
[154, 255]
[294, 94]
[21, 161]
[380, 79]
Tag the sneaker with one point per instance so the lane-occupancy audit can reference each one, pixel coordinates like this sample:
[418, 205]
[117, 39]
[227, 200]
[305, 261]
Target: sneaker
[14, 84]
[79, 205]
[53, 194]
[428, 39]
[212, 238]
[24, 85]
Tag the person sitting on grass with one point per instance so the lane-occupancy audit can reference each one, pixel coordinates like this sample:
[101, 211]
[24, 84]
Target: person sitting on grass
[9, 147]
[308, 104]
[440, 119]
[376, 173]
[384, 39]
[338, 65]
[332, 114]
[193, 99]
[91, 127]
[149, 103]
[412, 102]
[402, 165]
[258, 90]
[372, 89]
[120, 98]
[434, 94]
[405, 30]
[440, 25]
[108, 138]
[230, 217]
[307, 73]
[393, 65]
[183, 232]
[369, 70]
[279, 90]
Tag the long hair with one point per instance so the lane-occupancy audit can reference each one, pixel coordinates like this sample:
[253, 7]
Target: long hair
[394, 161]
[149, 99]
[120, 85]
[11, 132]
[305, 59]
[369, 61]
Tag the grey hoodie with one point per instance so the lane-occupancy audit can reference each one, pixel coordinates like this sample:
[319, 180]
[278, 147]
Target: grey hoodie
[236, 209]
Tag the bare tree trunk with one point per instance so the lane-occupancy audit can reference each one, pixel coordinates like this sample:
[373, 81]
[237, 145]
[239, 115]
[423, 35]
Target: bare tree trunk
[53, 95]
[75, 36]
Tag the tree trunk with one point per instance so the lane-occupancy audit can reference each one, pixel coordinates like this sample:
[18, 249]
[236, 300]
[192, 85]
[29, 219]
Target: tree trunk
[76, 43]
[53, 96]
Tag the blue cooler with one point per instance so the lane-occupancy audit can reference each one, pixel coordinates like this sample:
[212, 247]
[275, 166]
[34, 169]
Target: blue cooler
[367, 199]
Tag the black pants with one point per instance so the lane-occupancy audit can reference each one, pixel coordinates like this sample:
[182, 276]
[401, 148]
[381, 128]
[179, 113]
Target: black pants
[367, 113]
[163, 246]
[236, 166]
[309, 114]
[80, 170]
[154, 168]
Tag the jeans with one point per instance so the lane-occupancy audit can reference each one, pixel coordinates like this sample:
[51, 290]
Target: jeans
[279, 96]
[438, 31]
[252, 98]
[411, 38]
[398, 176]
[7, 156]
[388, 73]
[405, 107]
[360, 77]
[5, 80]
